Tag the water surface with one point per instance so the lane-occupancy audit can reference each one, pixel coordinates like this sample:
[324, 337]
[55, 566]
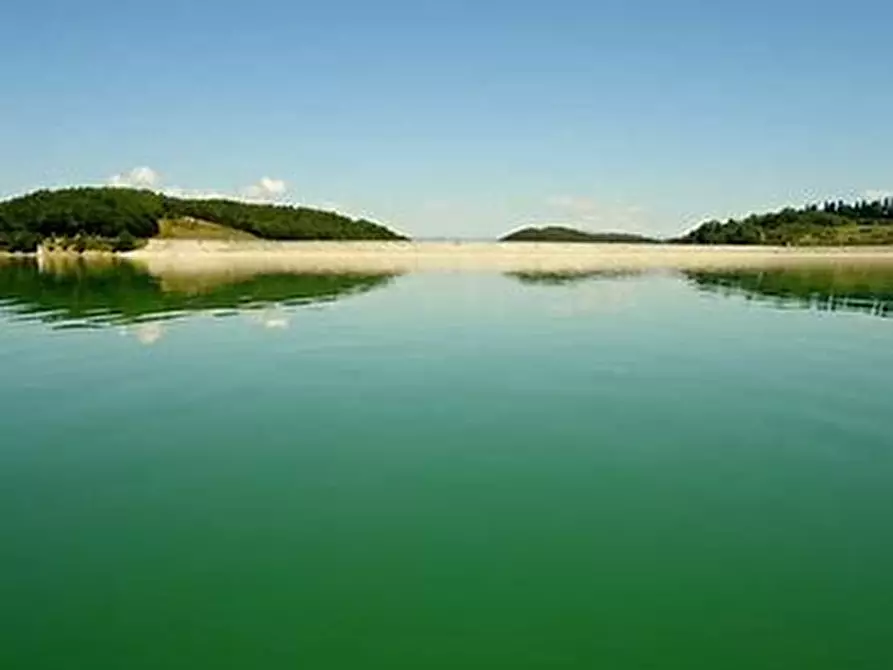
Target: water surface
[618, 470]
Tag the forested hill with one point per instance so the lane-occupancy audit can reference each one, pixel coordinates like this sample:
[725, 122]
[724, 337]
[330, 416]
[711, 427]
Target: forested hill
[564, 234]
[834, 223]
[120, 213]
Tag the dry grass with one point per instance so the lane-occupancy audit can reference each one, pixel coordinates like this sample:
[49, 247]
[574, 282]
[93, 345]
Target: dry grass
[194, 229]
[399, 257]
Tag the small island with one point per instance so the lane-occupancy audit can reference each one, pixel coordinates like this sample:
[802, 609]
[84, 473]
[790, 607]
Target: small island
[565, 234]
[120, 219]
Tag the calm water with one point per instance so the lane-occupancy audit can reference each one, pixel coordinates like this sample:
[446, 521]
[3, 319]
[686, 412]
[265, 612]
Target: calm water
[446, 471]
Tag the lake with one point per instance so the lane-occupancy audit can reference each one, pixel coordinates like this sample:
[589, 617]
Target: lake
[611, 470]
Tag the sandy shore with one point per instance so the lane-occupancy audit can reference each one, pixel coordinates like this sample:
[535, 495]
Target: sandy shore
[185, 256]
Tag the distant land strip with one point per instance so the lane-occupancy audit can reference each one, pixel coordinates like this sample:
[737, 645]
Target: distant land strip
[112, 219]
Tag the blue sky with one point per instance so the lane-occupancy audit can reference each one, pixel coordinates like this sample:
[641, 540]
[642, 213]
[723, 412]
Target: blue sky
[457, 118]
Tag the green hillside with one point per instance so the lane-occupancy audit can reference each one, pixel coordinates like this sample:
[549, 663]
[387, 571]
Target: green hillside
[124, 215]
[832, 224]
[186, 228]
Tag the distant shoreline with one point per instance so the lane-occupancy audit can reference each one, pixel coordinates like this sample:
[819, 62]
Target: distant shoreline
[204, 255]
[198, 256]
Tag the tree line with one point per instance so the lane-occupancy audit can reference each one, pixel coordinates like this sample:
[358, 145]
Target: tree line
[834, 222]
[116, 219]
[123, 215]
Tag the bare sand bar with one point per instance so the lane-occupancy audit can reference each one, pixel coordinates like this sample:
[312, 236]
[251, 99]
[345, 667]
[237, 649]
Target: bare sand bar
[187, 256]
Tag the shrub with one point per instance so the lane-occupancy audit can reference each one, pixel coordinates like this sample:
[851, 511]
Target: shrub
[22, 242]
[124, 242]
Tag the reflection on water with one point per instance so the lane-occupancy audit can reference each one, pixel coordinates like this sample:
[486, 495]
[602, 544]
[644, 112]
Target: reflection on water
[566, 278]
[860, 288]
[71, 292]
[462, 472]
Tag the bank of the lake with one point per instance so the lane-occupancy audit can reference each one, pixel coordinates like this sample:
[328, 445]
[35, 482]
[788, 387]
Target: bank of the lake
[200, 256]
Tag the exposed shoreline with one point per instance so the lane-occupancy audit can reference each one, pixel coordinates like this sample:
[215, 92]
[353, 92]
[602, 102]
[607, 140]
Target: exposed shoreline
[201, 256]
[399, 257]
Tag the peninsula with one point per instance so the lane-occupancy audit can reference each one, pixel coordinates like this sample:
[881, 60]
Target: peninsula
[117, 219]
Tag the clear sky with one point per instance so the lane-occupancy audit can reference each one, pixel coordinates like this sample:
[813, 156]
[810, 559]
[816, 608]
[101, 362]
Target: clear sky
[457, 118]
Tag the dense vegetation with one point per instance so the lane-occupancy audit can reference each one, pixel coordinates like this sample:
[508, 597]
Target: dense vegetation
[862, 288]
[834, 223]
[564, 234]
[120, 292]
[128, 214]
[116, 219]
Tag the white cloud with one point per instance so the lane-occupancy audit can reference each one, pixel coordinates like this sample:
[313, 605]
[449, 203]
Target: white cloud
[138, 177]
[266, 189]
[877, 194]
[198, 194]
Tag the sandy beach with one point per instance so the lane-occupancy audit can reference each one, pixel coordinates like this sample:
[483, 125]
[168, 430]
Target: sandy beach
[186, 256]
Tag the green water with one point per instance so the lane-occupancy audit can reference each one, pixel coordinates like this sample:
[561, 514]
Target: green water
[446, 471]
